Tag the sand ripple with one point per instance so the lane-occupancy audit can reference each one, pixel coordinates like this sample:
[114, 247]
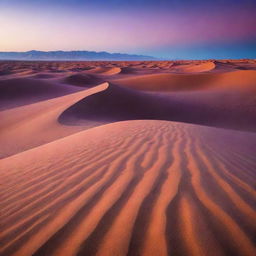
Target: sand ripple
[152, 188]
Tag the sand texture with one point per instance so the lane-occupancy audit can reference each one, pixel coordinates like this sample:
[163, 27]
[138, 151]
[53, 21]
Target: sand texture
[128, 158]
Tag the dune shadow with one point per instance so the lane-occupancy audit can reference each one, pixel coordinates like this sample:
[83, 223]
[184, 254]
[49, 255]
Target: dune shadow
[18, 92]
[83, 80]
[120, 104]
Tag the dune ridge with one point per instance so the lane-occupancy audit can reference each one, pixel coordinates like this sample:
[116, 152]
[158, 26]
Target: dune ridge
[104, 70]
[18, 92]
[190, 82]
[39, 118]
[237, 111]
[193, 68]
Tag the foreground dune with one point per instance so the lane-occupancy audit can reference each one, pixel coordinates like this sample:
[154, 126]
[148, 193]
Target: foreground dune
[146, 189]
[128, 158]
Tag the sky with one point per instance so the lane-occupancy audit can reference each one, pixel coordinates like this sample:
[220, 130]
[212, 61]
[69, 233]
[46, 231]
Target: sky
[168, 29]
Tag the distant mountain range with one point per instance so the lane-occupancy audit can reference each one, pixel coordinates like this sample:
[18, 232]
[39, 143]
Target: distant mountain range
[70, 55]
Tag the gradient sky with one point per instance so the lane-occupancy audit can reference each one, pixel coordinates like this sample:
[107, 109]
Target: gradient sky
[173, 29]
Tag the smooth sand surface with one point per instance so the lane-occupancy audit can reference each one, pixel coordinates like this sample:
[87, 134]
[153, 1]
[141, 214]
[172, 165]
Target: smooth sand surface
[128, 158]
[191, 68]
[105, 70]
[239, 79]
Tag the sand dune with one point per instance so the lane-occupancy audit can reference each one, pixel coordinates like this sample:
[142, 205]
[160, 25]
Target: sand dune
[193, 68]
[20, 127]
[116, 103]
[191, 82]
[44, 76]
[78, 201]
[105, 70]
[93, 162]
[84, 80]
[22, 91]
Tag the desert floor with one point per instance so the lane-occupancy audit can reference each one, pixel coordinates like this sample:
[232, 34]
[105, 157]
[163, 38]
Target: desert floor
[128, 158]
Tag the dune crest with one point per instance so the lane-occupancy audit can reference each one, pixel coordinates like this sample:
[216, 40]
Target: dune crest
[104, 70]
[237, 111]
[193, 68]
[39, 118]
[17, 92]
[190, 82]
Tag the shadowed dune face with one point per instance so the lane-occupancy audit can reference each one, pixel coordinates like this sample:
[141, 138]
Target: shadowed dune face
[84, 172]
[21, 91]
[83, 80]
[178, 189]
[228, 65]
[221, 108]
[129, 70]
[43, 76]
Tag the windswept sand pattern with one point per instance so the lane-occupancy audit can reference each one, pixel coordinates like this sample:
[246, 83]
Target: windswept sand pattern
[122, 158]
[111, 197]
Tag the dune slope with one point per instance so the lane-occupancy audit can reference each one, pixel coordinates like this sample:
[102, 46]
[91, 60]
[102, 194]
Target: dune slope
[17, 92]
[233, 109]
[177, 189]
[32, 125]
[104, 70]
[193, 67]
[168, 82]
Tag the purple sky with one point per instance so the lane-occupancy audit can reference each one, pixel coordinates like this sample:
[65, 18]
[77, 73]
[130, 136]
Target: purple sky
[168, 29]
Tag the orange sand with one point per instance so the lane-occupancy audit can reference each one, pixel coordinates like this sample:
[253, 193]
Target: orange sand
[94, 162]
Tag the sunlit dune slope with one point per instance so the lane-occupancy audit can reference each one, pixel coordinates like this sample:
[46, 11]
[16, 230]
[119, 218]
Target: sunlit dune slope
[193, 67]
[22, 91]
[32, 125]
[132, 188]
[189, 82]
[104, 70]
